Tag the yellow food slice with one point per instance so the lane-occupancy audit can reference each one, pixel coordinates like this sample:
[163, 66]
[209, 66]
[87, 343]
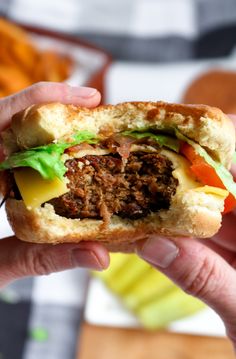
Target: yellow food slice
[213, 190]
[153, 298]
[181, 171]
[35, 190]
[185, 178]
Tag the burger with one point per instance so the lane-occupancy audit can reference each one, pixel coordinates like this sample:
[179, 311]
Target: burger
[117, 173]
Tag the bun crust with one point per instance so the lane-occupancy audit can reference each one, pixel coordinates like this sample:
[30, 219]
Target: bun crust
[191, 213]
[42, 124]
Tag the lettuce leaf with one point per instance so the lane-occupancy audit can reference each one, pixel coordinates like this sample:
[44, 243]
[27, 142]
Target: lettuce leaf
[162, 139]
[221, 171]
[47, 159]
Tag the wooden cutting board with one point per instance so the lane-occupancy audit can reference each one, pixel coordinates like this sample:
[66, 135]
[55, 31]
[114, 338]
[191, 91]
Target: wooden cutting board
[114, 343]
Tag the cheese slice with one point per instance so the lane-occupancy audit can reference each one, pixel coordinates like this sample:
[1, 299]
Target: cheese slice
[213, 190]
[185, 178]
[181, 171]
[35, 190]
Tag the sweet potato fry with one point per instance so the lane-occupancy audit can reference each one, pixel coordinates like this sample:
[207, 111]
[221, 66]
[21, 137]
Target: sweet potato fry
[13, 32]
[22, 63]
[12, 80]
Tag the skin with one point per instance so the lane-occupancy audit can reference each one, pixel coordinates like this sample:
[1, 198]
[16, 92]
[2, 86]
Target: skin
[204, 269]
[19, 259]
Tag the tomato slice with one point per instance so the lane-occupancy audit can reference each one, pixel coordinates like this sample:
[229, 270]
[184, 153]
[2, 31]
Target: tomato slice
[230, 203]
[206, 174]
[189, 152]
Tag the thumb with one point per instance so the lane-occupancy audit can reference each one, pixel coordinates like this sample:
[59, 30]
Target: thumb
[43, 92]
[198, 270]
[20, 259]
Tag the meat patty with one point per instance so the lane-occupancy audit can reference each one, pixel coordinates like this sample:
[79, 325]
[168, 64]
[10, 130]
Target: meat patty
[101, 186]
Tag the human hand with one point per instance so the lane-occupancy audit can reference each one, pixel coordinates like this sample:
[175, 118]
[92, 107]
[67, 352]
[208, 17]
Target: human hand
[202, 268]
[19, 259]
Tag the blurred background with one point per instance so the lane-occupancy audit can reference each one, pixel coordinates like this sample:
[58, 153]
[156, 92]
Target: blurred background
[171, 50]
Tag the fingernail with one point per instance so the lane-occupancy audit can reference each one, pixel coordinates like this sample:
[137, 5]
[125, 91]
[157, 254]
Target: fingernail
[159, 251]
[82, 92]
[86, 259]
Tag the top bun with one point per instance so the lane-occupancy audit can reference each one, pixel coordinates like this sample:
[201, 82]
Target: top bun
[42, 124]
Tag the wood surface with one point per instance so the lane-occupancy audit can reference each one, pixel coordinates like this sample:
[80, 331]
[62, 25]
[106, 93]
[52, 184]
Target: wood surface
[115, 343]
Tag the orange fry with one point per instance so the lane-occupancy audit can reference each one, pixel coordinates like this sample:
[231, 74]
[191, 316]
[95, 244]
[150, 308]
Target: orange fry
[12, 80]
[22, 63]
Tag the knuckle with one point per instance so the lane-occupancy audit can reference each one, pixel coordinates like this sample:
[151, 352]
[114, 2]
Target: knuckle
[37, 90]
[202, 280]
[44, 91]
[39, 263]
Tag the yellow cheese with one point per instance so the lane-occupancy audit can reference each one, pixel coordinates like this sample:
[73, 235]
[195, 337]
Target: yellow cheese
[35, 190]
[181, 171]
[185, 178]
[213, 190]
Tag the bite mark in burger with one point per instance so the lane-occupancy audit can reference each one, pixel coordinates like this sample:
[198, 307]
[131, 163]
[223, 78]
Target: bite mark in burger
[117, 173]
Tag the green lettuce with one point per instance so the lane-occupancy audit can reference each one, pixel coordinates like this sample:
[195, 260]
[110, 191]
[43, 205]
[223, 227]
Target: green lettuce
[48, 162]
[221, 171]
[47, 159]
[162, 139]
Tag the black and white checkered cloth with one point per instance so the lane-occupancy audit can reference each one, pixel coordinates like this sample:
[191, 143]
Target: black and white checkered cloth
[131, 30]
[139, 30]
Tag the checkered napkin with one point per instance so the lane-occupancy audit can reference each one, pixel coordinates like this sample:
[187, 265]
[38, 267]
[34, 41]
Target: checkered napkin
[139, 30]
[40, 317]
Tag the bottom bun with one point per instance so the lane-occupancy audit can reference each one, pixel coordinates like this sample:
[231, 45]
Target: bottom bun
[193, 213]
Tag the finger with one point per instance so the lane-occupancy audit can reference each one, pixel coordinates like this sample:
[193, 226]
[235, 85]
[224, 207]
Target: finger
[233, 118]
[226, 235]
[46, 92]
[20, 259]
[225, 253]
[198, 270]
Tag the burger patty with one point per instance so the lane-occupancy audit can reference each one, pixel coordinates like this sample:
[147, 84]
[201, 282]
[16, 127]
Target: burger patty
[102, 185]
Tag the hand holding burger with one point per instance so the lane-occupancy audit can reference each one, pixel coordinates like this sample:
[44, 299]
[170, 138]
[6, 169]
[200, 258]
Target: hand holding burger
[203, 268]
[117, 174]
[19, 259]
[165, 168]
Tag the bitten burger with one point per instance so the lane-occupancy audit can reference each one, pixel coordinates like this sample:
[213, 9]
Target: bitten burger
[117, 173]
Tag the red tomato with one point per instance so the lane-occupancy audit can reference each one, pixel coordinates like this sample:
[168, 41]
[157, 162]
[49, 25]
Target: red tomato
[206, 174]
[230, 203]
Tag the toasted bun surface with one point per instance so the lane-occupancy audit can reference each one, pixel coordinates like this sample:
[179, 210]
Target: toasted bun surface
[191, 213]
